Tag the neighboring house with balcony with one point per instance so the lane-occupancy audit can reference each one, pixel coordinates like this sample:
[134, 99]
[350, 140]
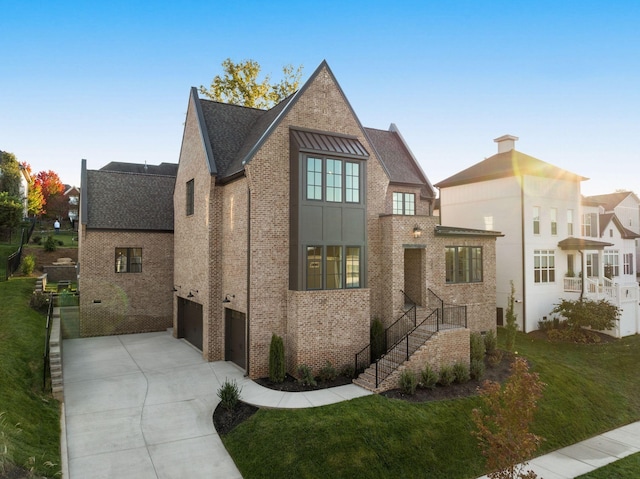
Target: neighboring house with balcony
[552, 239]
[296, 221]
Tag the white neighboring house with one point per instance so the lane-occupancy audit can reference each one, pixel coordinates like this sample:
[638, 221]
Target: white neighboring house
[550, 237]
[626, 206]
[24, 190]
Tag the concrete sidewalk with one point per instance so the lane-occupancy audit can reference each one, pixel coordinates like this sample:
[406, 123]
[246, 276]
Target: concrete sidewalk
[140, 406]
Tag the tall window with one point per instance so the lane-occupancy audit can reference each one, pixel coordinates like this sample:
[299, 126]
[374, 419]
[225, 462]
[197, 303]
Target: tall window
[554, 221]
[314, 178]
[536, 220]
[590, 225]
[593, 265]
[328, 267]
[569, 222]
[404, 204]
[352, 182]
[128, 260]
[353, 267]
[190, 193]
[611, 265]
[628, 263]
[570, 270]
[463, 264]
[334, 181]
[314, 267]
[328, 178]
[544, 266]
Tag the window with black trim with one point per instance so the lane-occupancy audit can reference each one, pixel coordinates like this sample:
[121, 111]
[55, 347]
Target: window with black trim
[333, 267]
[190, 200]
[128, 260]
[332, 180]
[404, 204]
[463, 264]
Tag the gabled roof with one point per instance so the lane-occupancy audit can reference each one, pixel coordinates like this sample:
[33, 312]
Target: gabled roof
[127, 201]
[505, 165]
[398, 160]
[607, 218]
[611, 200]
[165, 169]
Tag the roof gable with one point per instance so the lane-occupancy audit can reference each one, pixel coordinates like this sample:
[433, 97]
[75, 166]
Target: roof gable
[508, 164]
[611, 200]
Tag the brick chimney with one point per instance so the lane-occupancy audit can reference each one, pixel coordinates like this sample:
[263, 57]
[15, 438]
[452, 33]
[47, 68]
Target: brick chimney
[506, 143]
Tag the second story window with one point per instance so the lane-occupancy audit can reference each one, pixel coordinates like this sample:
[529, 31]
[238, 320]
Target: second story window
[190, 197]
[569, 222]
[314, 178]
[554, 221]
[404, 204]
[536, 220]
[334, 181]
[590, 225]
[331, 180]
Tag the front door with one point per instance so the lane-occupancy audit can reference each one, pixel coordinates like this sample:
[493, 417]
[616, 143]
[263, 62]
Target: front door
[190, 322]
[235, 337]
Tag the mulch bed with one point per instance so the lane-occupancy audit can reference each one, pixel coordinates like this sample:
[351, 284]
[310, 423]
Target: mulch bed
[292, 385]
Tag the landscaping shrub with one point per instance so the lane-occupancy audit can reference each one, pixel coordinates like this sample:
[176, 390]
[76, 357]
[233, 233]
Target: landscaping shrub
[429, 377]
[37, 239]
[476, 369]
[599, 315]
[328, 372]
[477, 346]
[461, 372]
[28, 264]
[511, 326]
[50, 244]
[276, 359]
[495, 358]
[306, 376]
[229, 395]
[408, 382]
[39, 301]
[348, 371]
[60, 242]
[447, 376]
[378, 339]
[490, 341]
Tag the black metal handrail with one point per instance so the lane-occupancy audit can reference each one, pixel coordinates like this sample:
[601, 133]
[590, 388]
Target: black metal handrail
[13, 260]
[450, 314]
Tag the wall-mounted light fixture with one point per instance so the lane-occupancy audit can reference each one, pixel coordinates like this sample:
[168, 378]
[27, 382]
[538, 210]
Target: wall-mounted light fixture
[226, 298]
[176, 288]
[417, 231]
[191, 291]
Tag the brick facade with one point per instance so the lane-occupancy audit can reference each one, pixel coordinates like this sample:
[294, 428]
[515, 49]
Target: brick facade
[122, 303]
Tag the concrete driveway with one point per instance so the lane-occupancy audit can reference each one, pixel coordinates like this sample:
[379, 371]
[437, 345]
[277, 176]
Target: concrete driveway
[140, 406]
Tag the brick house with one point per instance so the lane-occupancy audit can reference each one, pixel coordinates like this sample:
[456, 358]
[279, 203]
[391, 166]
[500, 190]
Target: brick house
[300, 222]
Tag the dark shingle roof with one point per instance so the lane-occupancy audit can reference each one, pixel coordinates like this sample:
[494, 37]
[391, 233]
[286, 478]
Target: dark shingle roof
[165, 169]
[625, 233]
[129, 201]
[505, 165]
[609, 201]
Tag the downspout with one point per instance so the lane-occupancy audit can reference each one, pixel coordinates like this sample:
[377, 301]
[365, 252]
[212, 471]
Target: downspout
[582, 274]
[524, 287]
[248, 322]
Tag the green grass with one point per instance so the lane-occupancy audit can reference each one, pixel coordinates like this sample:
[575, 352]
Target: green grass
[590, 389]
[69, 238]
[30, 422]
[622, 469]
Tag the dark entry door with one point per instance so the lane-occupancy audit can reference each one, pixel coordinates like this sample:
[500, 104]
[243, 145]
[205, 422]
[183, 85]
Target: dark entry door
[235, 337]
[190, 322]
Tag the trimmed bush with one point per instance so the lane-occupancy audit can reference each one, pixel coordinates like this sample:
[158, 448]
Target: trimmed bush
[378, 340]
[229, 395]
[28, 264]
[490, 342]
[306, 376]
[495, 358]
[37, 239]
[476, 369]
[429, 377]
[477, 347]
[276, 359]
[408, 382]
[447, 376]
[328, 372]
[39, 301]
[461, 372]
[50, 244]
[348, 371]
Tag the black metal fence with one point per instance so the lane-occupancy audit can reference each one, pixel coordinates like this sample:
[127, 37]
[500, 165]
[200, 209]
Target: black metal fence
[47, 336]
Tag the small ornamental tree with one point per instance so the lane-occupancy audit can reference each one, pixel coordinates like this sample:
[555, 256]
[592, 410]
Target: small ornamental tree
[276, 359]
[511, 326]
[378, 340]
[599, 315]
[503, 421]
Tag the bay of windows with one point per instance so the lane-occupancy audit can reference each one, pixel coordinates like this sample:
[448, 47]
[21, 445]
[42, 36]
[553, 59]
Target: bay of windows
[463, 264]
[544, 266]
[332, 180]
[333, 267]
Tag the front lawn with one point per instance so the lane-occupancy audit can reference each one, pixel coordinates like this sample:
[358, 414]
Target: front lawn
[622, 469]
[590, 389]
[29, 418]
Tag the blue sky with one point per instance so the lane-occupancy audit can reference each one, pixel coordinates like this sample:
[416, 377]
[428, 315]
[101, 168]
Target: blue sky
[109, 81]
